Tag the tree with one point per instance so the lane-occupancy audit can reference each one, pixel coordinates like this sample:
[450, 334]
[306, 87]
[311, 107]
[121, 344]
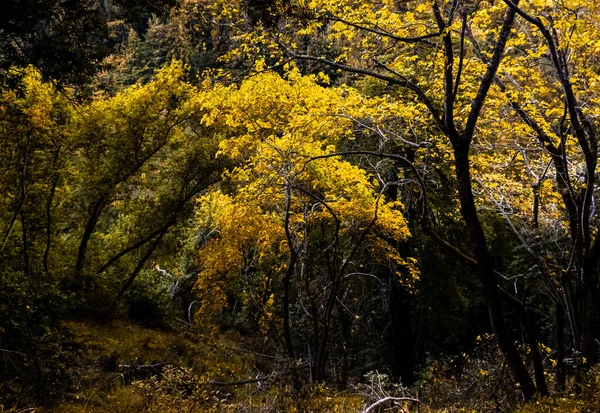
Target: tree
[294, 230]
[392, 41]
[490, 63]
[34, 138]
[87, 186]
[65, 40]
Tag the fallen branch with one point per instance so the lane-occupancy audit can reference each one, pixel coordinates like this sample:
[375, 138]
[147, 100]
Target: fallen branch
[242, 382]
[387, 399]
[241, 350]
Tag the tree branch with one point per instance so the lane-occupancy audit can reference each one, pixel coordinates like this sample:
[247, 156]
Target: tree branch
[380, 32]
[400, 81]
[489, 75]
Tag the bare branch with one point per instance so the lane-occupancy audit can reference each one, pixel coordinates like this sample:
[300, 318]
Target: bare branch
[387, 399]
[489, 75]
[399, 80]
[381, 32]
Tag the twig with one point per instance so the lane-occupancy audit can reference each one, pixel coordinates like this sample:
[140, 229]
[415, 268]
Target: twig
[253, 353]
[242, 382]
[12, 351]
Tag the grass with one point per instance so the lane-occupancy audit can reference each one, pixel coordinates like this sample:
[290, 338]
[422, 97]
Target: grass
[200, 360]
[121, 344]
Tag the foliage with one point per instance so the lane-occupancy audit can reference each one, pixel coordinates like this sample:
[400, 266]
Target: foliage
[177, 390]
[290, 197]
[65, 40]
[37, 354]
[476, 381]
[476, 69]
[352, 186]
[80, 186]
[42, 33]
[78, 181]
[149, 299]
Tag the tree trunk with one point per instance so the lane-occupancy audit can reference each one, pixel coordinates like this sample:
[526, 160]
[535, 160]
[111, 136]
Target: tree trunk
[95, 211]
[287, 330]
[12, 224]
[561, 373]
[590, 324]
[402, 341]
[486, 270]
[536, 357]
[49, 222]
[137, 269]
[532, 340]
[26, 262]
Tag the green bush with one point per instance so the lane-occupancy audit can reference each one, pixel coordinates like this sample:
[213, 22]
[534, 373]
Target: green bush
[149, 301]
[37, 353]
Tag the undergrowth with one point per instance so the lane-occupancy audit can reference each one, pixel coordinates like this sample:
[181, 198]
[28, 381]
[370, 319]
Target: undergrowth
[128, 368]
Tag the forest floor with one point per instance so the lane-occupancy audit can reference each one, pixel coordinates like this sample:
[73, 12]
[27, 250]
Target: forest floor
[128, 368]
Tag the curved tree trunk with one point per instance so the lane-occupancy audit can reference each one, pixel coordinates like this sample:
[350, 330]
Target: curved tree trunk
[95, 212]
[486, 271]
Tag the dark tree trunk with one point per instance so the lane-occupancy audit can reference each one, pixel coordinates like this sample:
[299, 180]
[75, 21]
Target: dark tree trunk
[346, 324]
[137, 269]
[536, 205]
[400, 333]
[49, 222]
[532, 340]
[287, 329]
[536, 357]
[12, 223]
[590, 324]
[561, 373]
[95, 211]
[486, 270]
[26, 263]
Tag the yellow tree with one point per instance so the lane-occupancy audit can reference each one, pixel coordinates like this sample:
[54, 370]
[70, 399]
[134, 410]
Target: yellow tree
[500, 81]
[556, 109]
[34, 139]
[116, 138]
[291, 225]
[92, 189]
[446, 57]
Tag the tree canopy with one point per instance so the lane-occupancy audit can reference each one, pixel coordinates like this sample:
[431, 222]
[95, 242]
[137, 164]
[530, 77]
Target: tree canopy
[364, 184]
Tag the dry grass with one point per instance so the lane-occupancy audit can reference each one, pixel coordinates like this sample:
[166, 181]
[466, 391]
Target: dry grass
[198, 360]
[195, 361]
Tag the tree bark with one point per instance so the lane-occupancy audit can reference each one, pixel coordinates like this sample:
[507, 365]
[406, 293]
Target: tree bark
[49, 221]
[590, 324]
[486, 271]
[561, 374]
[137, 269]
[95, 211]
[287, 330]
[26, 262]
[532, 341]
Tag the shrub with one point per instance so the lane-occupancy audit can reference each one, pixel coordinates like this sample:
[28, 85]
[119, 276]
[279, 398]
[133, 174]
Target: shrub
[480, 381]
[37, 353]
[178, 389]
[149, 301]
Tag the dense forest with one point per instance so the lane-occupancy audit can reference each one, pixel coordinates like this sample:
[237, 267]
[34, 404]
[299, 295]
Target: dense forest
[303, 206]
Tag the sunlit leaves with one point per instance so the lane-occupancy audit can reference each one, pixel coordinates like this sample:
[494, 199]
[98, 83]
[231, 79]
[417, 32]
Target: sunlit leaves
[282, 133]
